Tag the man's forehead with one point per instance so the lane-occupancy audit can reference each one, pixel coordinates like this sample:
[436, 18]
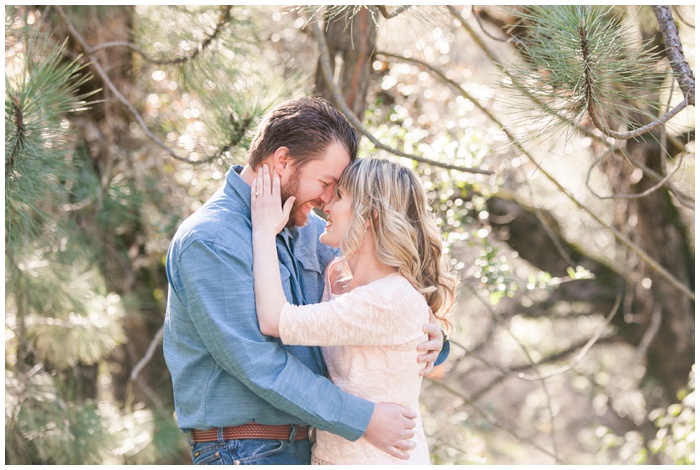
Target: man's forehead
[329, 168]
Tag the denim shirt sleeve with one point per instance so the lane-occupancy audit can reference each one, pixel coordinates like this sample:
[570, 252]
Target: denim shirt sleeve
[214, 281]
[444, 352]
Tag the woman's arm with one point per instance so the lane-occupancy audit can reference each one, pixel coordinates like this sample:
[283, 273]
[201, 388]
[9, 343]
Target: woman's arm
[268, 218]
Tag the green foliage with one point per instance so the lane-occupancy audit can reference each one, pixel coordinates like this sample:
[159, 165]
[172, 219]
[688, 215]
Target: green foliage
[675, 440]
[223, 87]
[88, 220]
[143, 436]
[64, 317]
[52, 292]
[43, 428]
[673, 444]
[38, 169]
[583, 58]
[62, 321]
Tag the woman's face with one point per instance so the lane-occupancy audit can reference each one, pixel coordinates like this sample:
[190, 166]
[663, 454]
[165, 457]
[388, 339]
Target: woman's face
[340, 216]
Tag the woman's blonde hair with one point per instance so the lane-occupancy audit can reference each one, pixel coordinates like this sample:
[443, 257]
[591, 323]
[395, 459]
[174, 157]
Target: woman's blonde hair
[392, 198]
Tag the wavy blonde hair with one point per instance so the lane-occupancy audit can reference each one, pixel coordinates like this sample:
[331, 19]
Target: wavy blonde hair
[392, 198]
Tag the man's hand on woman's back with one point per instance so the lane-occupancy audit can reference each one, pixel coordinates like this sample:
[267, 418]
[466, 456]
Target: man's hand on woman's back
[391, 429]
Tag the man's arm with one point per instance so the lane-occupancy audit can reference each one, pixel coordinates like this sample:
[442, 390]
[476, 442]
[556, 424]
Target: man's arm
[220, 301]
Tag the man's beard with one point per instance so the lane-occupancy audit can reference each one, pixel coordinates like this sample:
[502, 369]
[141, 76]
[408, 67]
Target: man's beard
[297, 217]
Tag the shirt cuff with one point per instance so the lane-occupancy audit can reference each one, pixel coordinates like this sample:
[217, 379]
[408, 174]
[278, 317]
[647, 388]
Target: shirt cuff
[356, 411]
[443, 353]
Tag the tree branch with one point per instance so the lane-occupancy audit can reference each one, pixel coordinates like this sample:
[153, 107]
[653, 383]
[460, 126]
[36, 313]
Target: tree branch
[494, 422]
[661, 182]
[326, 68]
[655, 124]
[528, 356]
[513, 372]
[674, 51]
[225, 15]
[476, 12]
[543, 106]
[390, 14]
[110, 85]
[149, 354]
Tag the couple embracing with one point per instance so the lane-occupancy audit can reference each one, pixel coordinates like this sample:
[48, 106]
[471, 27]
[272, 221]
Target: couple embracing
[292, 339]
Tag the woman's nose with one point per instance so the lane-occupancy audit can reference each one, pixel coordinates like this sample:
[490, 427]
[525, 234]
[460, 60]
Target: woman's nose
[327, 207]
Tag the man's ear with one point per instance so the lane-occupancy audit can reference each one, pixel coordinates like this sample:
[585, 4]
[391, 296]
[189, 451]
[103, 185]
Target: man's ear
[281, 160]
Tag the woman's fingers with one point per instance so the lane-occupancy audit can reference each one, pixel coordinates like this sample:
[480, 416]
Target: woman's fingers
[275, 183]
[263, 179]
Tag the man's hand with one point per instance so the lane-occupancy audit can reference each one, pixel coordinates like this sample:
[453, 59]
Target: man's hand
[391, 429]
[432, 347]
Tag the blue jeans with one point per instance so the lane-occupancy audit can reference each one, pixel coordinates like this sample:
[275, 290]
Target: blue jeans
[251, 452]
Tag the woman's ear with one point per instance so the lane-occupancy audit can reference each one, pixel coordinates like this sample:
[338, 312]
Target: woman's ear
[375, 217]
[281, 160]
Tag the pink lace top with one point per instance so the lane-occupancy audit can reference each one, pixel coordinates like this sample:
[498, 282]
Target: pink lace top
[369, 338]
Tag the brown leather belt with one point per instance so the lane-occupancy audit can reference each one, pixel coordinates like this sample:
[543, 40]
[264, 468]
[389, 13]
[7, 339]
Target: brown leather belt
[251, 431]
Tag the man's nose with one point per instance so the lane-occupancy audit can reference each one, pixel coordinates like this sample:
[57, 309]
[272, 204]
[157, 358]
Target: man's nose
[327, 195]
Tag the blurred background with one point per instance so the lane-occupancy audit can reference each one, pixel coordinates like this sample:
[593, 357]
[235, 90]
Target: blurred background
[557, 145]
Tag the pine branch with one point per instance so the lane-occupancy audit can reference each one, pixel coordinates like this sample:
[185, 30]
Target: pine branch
[326, 68]
[592, 58]
[225, 15]
[20, 130]
[662, 181]
[623, 239]
[659, 122]
[122, 99]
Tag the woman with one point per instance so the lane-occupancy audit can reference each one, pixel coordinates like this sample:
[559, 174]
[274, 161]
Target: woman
[378, 293]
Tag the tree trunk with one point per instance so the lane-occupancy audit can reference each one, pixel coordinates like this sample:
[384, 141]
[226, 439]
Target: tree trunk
[104, 132]
[351, 45]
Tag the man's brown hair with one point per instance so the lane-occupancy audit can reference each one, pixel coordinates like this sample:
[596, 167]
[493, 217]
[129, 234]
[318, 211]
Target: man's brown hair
[306, 126]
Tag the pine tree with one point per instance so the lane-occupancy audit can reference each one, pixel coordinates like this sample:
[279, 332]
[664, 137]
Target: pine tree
[91, 203]
[63, 323]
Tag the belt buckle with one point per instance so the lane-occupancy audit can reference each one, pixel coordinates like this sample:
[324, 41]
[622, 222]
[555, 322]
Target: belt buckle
[312, 434]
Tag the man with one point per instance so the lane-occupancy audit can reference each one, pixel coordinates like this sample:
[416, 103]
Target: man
[245, 397]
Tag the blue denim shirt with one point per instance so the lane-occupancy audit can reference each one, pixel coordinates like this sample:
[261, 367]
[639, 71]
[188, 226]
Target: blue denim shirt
[224, 371]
